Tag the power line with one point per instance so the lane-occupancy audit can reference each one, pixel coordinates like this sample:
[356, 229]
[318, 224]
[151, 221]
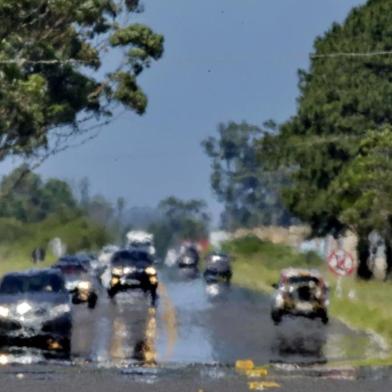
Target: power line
[352, 54]
[22, 61]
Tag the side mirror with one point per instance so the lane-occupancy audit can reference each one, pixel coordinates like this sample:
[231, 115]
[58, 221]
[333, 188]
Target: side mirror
[275, 285]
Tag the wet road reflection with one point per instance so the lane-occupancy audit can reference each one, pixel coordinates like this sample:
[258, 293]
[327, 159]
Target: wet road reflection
[299, 341]
[197, 323]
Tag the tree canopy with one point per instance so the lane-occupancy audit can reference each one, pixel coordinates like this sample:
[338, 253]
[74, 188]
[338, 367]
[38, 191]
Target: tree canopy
[345, 101]
[337, 147]
[54, 77]
[249, 192]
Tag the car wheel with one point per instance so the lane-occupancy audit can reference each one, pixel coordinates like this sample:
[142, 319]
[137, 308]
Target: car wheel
[66, 345]
[324, 317]
[112, 292]
[154, 296]
[92, 300]
[3, 341]
[276, 316]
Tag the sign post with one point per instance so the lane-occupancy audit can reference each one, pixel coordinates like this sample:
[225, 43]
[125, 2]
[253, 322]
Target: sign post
[342, 264]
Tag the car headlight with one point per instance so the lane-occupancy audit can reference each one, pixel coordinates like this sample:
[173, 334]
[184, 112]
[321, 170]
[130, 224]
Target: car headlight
[117, 271]
[23, 308]
[85, 285]
[4, 311]
[151, 271]
[279, 300]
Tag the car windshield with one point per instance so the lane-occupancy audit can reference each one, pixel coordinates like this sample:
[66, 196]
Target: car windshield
[303, 280]
[130, 258]
[218, 258]
[14, 284]
[140, 243]
[71, 268]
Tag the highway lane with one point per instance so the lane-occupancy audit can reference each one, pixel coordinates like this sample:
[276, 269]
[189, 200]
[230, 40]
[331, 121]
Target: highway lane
[195, 335]
[196, 324]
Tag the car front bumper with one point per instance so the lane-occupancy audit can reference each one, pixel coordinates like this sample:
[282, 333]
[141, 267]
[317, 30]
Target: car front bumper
[142, 281]
[36, 327]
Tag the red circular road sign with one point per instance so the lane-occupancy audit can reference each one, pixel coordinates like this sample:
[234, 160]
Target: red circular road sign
[341, 262]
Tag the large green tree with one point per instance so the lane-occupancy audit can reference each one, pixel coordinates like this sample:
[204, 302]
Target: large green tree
[331, 147]
[55, 72]
[249, 192]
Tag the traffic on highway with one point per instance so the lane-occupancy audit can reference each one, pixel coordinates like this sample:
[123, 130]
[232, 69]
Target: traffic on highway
[195, 195]
[130, 308]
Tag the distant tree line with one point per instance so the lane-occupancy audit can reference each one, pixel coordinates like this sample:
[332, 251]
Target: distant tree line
[179, 220]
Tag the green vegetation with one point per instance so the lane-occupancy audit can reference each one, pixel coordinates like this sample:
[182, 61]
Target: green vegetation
[179, 220]
[33, 212]
[249, 193]
[337, 147]
[257, 265]
[53, 81]
[369, 309]
[19, 239]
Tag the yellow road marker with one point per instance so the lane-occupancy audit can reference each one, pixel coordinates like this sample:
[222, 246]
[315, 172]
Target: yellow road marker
[244, 364]
[262, 385]
[256, 372]
[170, 318]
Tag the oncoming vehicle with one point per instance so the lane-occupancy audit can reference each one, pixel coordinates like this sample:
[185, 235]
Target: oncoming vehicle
[142, 241]
[300, 293]
[91, 263]
[34, 307]
[189, 257]
[132, 269]
[78, 281]
[218, 268]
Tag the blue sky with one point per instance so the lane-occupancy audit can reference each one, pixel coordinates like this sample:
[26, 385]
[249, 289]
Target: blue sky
[224, 60]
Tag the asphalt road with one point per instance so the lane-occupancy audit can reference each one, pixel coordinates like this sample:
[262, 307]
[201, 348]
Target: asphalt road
[192, 341]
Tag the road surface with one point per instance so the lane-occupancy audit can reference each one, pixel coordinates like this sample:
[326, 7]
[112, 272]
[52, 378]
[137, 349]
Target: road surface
[192, 341]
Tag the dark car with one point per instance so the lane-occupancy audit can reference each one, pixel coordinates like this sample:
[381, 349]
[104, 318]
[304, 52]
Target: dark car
[35, 307]
[78, 281]
[133, 269]
[91, 263]
[218, 268]
[189, 257]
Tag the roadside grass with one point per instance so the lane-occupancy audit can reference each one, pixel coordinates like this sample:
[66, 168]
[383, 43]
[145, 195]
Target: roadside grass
[258, 263]
[362, 305]
[366, 305]
[17, 240]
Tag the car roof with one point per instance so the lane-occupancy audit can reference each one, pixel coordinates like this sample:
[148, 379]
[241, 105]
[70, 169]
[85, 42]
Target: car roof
[294, 272]
[33, 272]
[131, 253]
[68, 258]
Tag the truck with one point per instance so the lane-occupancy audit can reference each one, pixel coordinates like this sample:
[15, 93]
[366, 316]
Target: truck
[140, 240]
